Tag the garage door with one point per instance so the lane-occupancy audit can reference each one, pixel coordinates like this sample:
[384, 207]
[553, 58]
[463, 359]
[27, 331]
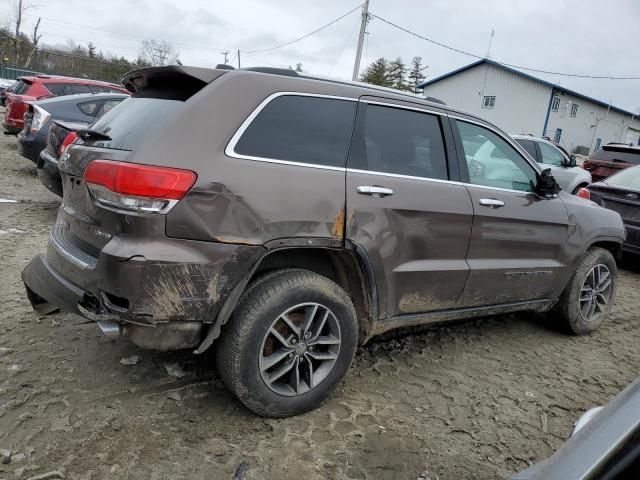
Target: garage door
[633, 136]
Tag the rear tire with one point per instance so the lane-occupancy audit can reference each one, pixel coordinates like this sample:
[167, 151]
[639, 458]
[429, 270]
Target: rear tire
[588, 297]
[289, 343]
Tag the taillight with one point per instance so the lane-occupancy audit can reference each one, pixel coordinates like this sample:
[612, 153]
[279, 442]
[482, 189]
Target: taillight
[584, 193]
[131, 186]
[68, 140]
[39, 118]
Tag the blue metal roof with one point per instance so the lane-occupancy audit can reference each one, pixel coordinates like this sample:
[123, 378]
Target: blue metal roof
[525, 75]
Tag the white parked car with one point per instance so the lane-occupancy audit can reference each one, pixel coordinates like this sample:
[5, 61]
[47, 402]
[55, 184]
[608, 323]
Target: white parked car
[564, 168]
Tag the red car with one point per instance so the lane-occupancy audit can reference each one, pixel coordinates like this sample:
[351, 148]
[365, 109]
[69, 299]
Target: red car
[45, 86]
[611, 158]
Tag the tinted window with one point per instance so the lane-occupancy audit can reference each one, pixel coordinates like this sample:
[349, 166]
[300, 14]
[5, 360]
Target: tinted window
[492, 161]
[108, 106]
[128, 123]
[21, 87]
[612, 155]
[98, 89]
[404, 142]
[77, 88]
[551, 155]
[58, 88]
[301, 129]
[89, 108]
[529, 146]
[629, 178]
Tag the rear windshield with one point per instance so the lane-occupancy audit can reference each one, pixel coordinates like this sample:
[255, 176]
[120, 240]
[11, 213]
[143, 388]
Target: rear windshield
[21, 87]
[609, 155]
[127, 123]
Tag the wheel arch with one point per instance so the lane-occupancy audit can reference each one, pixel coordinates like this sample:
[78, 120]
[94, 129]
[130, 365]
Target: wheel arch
[348, 267]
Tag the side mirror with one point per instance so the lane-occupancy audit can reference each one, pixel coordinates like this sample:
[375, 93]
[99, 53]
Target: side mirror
[572, 161]
[546, 186]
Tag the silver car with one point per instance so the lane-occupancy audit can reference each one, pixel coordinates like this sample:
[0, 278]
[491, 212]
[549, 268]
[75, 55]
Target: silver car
[570, 177]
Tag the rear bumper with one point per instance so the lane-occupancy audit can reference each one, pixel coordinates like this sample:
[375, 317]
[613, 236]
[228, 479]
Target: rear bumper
[29, 147]
[178, 292]
[11, 128]
[48, 172]
[632, 242]
[49, 291]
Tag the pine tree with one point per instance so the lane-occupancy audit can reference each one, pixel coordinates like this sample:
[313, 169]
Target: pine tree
[397, 73]
[415, 75]
[377, 73]
[91, 50]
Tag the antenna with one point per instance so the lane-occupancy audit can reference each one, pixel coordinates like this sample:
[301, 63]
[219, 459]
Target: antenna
[493, 32]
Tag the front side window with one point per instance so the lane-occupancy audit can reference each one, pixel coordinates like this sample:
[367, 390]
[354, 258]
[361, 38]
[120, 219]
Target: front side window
[492, 161]
[574, 110]
[77, 88]
[58, 89]
[555, 104]
[301, 129]
[489, 102]
[550, 155]
[404, 142]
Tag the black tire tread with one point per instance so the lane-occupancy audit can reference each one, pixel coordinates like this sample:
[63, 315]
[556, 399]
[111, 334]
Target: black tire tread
[566, 309]
[230, 345]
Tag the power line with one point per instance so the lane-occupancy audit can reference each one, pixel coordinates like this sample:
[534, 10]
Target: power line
[538, 70]
[304, 36]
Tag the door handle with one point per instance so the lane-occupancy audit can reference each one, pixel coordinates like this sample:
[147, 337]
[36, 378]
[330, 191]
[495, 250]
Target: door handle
[491, 202]
[374, 191]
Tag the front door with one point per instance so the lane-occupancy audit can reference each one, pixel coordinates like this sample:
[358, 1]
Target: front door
[412, 221]
[518, 237]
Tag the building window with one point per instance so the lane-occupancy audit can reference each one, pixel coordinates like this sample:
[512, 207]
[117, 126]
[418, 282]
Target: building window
[489, 102]
[555, 104]
[574, 110]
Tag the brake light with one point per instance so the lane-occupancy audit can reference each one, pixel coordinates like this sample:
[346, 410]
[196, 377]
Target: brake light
[68, 140]
[132, 186]
[584, 193]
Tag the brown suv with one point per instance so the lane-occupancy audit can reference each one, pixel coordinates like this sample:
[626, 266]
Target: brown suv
[284, 219]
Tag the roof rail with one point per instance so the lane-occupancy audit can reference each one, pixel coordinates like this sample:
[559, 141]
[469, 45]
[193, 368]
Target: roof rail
[287, 72]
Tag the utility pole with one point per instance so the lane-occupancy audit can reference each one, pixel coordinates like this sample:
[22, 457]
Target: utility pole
[226, 54]
[363, 28]
[493, 32]
[239, 58]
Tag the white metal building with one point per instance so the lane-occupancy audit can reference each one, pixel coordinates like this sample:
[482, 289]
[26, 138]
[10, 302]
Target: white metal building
[520, 103]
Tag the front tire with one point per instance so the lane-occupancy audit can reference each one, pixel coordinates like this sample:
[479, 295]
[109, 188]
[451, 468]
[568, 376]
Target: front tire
[289, 343]
[588, 297]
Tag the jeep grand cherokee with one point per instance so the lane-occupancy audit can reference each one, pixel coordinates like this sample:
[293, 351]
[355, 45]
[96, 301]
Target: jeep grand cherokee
[283, 219]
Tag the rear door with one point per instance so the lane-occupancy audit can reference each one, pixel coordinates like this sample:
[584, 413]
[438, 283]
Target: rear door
[405, 208]
[518, 237]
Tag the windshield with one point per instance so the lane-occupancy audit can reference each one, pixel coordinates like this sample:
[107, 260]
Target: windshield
[628, 178]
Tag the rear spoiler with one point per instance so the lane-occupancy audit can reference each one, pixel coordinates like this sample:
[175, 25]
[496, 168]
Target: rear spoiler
[620, 147]
[71, 126]
[174, 82]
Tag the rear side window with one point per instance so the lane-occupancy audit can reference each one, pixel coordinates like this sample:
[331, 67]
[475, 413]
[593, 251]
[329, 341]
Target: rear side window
[404, 142]
[301, 129]
[89, 108]
[21, 87]
[529, 146]
[108, 106]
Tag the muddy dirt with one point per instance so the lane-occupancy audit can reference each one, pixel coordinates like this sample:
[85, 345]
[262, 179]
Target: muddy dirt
[474, 400]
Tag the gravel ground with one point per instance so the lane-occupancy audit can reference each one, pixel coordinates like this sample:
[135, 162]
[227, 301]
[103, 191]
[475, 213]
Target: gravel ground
[474, 400]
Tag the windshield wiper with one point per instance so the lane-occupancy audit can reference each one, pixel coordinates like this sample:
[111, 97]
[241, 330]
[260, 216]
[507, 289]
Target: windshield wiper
[88, 134]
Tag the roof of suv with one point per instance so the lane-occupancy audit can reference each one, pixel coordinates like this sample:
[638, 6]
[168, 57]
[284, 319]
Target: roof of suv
[62, 79]
[137, 79]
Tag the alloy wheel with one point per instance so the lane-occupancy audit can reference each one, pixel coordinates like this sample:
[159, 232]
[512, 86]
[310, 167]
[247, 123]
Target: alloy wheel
[595, 293]
[300, 349]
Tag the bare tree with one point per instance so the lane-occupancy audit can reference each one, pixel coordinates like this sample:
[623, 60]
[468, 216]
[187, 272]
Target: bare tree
[159, 53]
[34, 43]
[19, 9]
